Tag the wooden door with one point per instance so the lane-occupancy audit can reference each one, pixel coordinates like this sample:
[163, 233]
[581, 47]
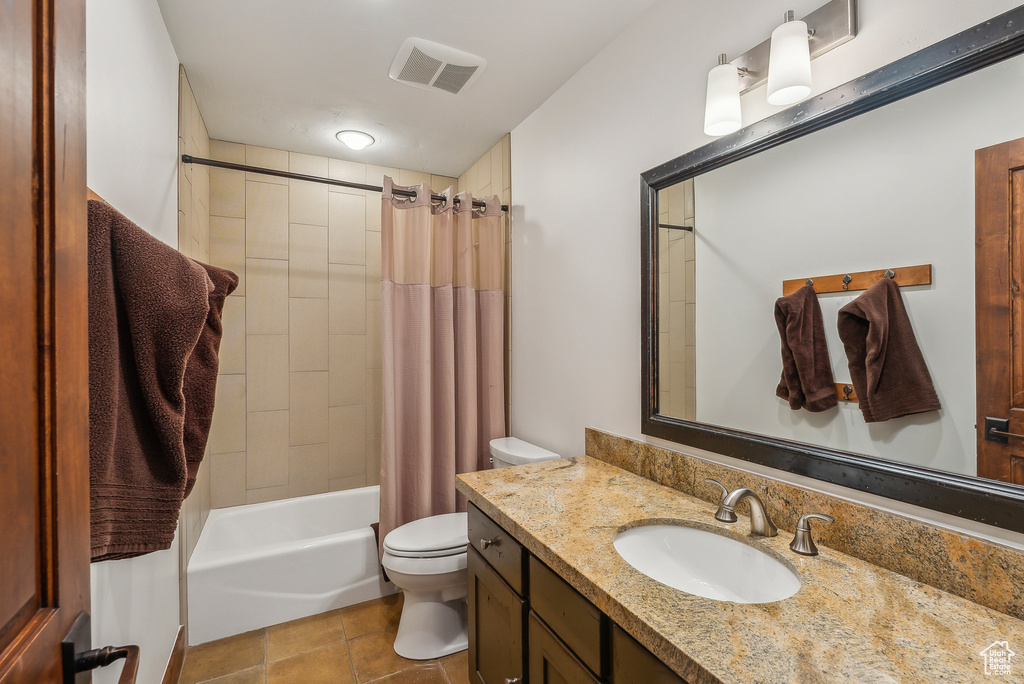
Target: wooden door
[551, 661]
[999, 272]
[44, 390]
[496, 626]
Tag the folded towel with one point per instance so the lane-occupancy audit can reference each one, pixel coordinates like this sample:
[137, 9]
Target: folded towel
[149, 305]
[886, 365]
[807, 380]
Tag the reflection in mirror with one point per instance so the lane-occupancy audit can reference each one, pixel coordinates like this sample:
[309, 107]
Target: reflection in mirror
[677, 366]
[893, 187]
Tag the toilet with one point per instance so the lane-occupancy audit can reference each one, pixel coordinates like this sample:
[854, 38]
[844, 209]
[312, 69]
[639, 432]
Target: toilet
[426, 559]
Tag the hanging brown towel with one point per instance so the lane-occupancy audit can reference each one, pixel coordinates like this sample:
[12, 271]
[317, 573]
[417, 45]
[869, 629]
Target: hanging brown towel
[888, 370]
[149, 306]
[807, 380]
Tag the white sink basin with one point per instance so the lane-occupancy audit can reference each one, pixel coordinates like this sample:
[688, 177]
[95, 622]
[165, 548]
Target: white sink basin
[706, 564]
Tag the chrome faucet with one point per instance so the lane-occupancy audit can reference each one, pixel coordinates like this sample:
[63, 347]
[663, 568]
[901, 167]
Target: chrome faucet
[760, 523]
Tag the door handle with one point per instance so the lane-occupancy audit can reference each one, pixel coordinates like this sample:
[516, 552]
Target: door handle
[78, 659]
[998, 430]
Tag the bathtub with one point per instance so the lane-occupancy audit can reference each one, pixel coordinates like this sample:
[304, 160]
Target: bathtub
[262, 564]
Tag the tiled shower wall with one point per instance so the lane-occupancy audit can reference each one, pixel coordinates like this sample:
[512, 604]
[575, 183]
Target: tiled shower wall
[677, 367]
[299, 394]
[492, 175]
[193, 241]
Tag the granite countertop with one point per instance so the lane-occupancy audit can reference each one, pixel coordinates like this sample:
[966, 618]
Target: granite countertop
[851, 621]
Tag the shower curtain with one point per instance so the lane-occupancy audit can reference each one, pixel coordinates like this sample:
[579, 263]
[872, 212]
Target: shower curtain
[443, 315]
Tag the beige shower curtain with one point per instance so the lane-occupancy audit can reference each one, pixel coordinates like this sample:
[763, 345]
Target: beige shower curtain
[443, 385]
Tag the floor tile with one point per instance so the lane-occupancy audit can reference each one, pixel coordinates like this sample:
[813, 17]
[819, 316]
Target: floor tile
[456, 667]
[223, 657]
[297, 636]
[253, 675]
[373, 656]
[429, 673]
[372, 616]
[325, 665]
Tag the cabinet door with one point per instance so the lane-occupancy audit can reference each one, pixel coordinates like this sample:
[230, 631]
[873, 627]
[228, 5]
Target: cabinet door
[634, 664]
[551, 662]
[496, 626]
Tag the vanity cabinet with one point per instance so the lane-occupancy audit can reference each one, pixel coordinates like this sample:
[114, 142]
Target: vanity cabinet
[527, 624]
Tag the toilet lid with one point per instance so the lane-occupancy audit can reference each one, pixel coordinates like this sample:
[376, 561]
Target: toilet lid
[438, 535]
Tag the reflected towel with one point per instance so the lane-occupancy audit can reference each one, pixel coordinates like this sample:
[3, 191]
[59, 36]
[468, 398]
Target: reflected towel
[886, 365]
[807, 380]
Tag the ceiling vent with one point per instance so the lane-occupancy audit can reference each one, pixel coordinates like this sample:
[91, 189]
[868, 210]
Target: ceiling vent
[432, 66]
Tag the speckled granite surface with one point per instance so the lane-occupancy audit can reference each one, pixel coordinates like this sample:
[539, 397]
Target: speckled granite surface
[851, 621]
[979, 570]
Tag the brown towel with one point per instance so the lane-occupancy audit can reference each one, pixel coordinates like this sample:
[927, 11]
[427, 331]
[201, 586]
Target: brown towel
[807, 380]
[886, 365]
[148, 307]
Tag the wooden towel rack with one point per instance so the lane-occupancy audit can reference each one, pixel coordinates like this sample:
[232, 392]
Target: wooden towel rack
[851, 282]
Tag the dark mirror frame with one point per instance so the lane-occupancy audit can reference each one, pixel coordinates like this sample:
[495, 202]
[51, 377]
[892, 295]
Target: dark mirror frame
[987, 501]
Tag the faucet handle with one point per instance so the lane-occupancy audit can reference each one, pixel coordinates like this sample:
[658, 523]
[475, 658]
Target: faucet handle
[723, 514]
[803, 543]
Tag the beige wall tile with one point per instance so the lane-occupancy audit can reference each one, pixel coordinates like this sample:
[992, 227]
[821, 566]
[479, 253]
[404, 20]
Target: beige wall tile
[340, 484]
[407, 177]
[266, 221]
[439, 183]
[375, 174]
[308, 334]
[307, 263]
[374, 341]
[308, 409]
[373, 209]
[307, 164]
[347, 229]
[232, 342]
[267, 455]
[307, 203]
[227, 193]
[227, 429]
[307, 470]
[227, 248]
[266, 366]
[223, 150]
[374, 399]
[268, 159]
[373, 257]
[373, 462]
[347, 454]
[354, 172]
[677, 271]
[496, 168]
[677, 332]
[227, 480]
[264, 494]
[347, 293]
[347, 370]
[266, 297]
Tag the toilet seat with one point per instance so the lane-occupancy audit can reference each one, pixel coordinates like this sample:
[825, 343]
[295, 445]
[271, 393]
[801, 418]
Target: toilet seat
[438, 565]
[437, 536]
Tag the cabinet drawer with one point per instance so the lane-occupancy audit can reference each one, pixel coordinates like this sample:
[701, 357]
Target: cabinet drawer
[634, 664]
[550, 661]
[573, 618]
[498, 547]
[497, 628]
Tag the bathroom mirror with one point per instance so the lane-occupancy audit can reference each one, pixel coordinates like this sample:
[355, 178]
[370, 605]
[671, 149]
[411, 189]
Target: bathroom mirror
[877, 173]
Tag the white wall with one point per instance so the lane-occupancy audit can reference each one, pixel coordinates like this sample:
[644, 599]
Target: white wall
[576, 167]
[132, 139]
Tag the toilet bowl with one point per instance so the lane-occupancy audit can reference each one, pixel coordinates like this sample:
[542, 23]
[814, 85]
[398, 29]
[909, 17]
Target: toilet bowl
[426, 559]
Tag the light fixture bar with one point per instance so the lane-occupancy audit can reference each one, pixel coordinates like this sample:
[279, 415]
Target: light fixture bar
[831, 25]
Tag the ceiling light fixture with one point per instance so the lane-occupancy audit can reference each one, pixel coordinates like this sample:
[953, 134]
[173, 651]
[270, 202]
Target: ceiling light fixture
[355, 140]
[783, 61]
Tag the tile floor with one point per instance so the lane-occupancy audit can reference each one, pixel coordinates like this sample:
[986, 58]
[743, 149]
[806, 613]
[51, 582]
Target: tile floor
[348, 646]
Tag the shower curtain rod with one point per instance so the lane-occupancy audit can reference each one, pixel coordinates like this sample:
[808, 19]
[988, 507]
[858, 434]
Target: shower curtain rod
[189, 159]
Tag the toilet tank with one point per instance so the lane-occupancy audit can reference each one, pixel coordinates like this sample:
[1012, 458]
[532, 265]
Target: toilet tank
[510, 451]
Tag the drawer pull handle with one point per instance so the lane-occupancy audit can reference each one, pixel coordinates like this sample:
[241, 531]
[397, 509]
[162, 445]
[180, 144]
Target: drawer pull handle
[484, 545]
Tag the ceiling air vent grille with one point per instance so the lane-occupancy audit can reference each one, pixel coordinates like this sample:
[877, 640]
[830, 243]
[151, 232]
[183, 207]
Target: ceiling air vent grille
[432, 66]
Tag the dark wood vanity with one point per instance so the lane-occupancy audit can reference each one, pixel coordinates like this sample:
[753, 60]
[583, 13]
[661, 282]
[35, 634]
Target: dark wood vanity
[526, 624]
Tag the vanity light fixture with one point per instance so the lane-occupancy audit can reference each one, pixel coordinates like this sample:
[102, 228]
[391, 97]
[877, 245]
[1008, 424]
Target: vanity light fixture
[789, 63]
[783, 61]
[722, 110]
[355, 140]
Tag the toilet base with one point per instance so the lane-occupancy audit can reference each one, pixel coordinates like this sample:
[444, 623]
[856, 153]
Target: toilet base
[431, 627]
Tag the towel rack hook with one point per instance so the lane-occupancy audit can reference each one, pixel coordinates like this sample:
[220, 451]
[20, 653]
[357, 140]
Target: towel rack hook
[846, 281]
[810, 282]
[890, 274]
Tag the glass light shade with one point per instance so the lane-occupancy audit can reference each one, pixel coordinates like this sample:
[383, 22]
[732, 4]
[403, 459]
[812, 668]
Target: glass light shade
[722, 109]
[355, 140]
[789, 64]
